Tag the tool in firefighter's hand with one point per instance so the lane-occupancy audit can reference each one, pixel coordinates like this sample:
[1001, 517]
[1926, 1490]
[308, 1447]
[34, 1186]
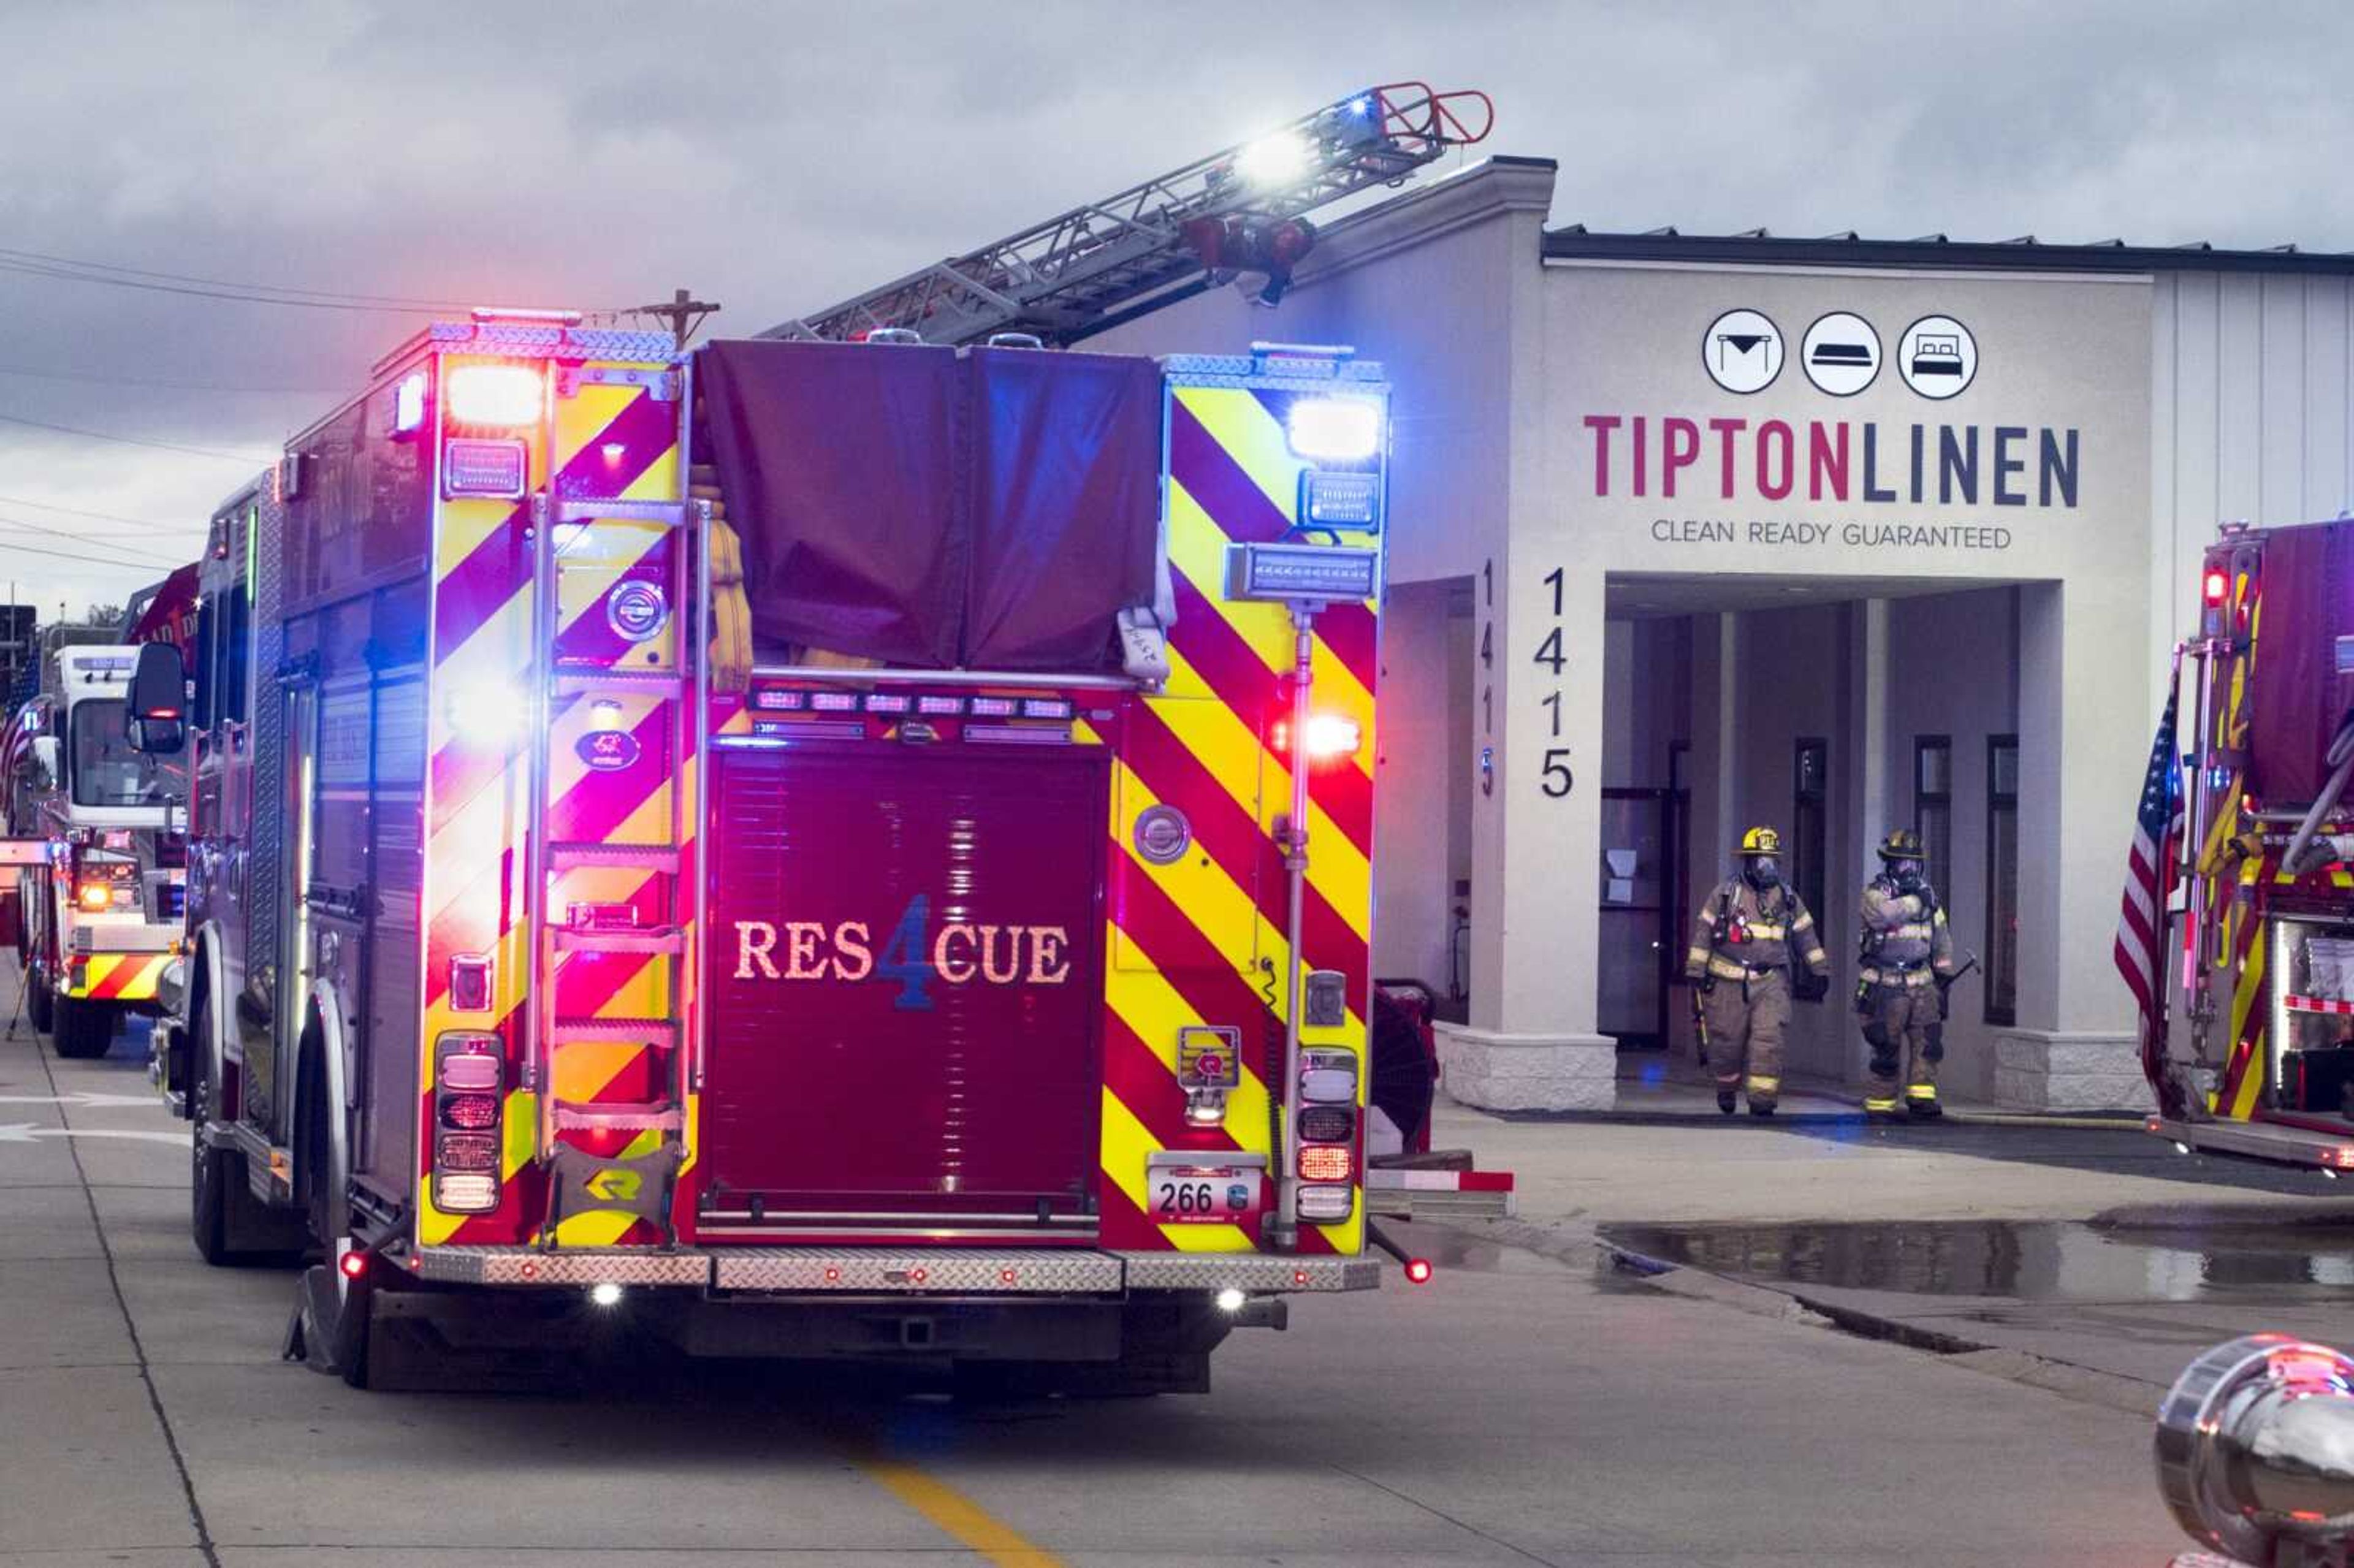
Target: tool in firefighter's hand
[2256, 1453]
[1700, 1019]
[1946, 985]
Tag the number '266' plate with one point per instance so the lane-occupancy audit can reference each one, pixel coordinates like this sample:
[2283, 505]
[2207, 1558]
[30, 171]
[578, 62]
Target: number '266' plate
[1191, 1189]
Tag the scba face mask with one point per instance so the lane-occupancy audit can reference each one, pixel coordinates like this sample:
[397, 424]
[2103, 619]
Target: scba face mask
[1762, 871]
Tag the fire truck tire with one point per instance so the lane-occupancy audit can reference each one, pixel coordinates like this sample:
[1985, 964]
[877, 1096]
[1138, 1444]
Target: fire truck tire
[229, 1223]
[84, 1029]
[40, 1005]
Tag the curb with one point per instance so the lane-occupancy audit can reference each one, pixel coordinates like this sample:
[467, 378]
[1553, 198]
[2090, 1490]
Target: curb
[1848, 1110]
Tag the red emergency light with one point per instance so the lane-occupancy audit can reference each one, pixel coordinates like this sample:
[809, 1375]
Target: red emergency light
[2218, 583]
[1330, 737]
[1418, 1271]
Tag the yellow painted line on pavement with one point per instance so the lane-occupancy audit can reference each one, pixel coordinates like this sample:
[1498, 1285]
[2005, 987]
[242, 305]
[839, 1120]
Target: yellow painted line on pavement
[956, 1514]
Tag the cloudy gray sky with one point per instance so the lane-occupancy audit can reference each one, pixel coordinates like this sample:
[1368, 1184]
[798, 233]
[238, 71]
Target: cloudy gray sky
[778, 156]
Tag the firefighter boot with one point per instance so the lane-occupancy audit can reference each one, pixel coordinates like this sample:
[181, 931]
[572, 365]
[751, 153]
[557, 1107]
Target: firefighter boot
[1769, 1011]
[1727, 1014]
[1880, 1096]
[1921, 1088]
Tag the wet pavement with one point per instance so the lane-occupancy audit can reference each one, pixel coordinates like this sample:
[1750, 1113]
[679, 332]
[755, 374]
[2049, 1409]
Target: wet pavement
[2133, 1301]
[2025, 1261]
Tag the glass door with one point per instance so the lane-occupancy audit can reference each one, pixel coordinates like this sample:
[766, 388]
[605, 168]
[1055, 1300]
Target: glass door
[1637, 909]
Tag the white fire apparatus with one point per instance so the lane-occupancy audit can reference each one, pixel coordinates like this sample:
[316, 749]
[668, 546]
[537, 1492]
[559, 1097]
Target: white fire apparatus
[827, 848]
[95, 836]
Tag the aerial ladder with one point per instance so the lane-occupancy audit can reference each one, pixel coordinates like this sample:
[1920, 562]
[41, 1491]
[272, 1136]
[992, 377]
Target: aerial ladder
[1235, 212]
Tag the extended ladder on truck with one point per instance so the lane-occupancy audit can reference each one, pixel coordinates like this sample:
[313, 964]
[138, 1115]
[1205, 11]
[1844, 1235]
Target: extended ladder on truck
[1105, 262]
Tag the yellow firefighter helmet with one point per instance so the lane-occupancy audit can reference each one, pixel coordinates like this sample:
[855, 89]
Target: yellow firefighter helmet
[1761, 840]
[1902, 844]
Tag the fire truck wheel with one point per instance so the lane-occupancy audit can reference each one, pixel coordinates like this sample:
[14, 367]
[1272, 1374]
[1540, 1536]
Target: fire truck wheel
[40, 1006]
[229, 1225]
[84, 1029]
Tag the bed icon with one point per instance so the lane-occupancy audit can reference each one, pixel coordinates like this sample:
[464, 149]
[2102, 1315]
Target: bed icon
[1937, 354]
[1939, 357]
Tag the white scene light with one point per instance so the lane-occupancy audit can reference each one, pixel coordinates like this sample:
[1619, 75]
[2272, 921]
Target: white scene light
[1343, 428]
[1273, 160]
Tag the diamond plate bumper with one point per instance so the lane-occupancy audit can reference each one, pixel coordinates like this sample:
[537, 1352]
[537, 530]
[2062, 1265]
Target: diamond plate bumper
[525, 1266]
[860, 1271]
[1220, 1271]
[855, 1271]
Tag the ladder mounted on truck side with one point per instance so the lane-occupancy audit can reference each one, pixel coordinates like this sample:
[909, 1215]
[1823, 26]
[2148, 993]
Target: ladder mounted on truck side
[660, 676]
[1104, 261]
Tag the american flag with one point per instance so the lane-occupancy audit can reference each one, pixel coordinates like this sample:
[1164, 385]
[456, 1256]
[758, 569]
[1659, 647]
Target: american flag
[2150, 883]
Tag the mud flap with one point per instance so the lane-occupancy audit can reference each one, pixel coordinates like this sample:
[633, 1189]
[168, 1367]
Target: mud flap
[429, 1342]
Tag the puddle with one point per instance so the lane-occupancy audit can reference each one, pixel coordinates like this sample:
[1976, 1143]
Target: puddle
[2029, 1261]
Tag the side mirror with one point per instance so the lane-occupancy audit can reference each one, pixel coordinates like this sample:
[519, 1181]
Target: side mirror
[159, 699]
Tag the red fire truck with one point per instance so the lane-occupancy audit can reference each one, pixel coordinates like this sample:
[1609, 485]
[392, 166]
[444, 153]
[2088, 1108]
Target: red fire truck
[821, 849]
[2264, 698]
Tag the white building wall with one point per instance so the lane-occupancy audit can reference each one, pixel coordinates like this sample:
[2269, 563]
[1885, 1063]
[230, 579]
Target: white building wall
[2252, 401]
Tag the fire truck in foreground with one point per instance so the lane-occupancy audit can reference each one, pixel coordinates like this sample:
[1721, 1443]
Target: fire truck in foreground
[95, 841]
[2264, 697]
[817, 849]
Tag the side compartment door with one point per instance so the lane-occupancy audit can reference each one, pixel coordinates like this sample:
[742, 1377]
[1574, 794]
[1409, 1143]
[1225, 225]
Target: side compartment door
[297, 796]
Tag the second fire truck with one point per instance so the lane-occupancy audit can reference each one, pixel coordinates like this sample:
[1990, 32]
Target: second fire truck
[99, 904]
[824, 849]
[2263, 955]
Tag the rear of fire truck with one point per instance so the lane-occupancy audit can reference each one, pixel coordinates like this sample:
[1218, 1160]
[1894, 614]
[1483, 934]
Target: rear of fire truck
[97, 822]
[2264, 1063]
[807, 849]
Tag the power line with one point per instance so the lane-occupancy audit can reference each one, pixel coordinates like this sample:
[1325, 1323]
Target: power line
[64, 276]
[93, 560]
[17, 524]
[100, 516]
[167, 385]
[33, 264]
[245, 458]
[344, 295]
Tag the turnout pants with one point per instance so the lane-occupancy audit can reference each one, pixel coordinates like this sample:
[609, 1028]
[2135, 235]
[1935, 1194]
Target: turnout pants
[1745, 1019]
[1907, 1038]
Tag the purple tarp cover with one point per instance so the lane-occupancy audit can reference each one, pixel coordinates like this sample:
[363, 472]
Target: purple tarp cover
[988, 509]
[2297, 695]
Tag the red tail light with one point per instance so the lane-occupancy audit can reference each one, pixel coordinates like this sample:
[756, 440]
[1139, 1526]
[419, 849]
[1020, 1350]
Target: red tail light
[470, 1081]
[1326, 1162]
[472, 1112]
[1418, 1271]
[354, 1264]
[2216, 585]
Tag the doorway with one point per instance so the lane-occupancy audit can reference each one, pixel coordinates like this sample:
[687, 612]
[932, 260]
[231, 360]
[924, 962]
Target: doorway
[1643, 874]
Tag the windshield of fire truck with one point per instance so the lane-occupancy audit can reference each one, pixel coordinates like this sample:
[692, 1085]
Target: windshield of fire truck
[106, 771]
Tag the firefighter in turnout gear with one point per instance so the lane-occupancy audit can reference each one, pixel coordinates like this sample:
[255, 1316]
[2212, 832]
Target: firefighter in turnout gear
[1907, 960]
[1748, 930]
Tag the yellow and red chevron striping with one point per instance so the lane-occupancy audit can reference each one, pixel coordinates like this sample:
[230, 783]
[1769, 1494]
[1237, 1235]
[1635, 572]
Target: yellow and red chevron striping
[1196, 942]
[122, 977]
[614, 441]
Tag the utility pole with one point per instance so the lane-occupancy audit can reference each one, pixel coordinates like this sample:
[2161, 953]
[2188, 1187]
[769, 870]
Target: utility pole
[685, 313]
